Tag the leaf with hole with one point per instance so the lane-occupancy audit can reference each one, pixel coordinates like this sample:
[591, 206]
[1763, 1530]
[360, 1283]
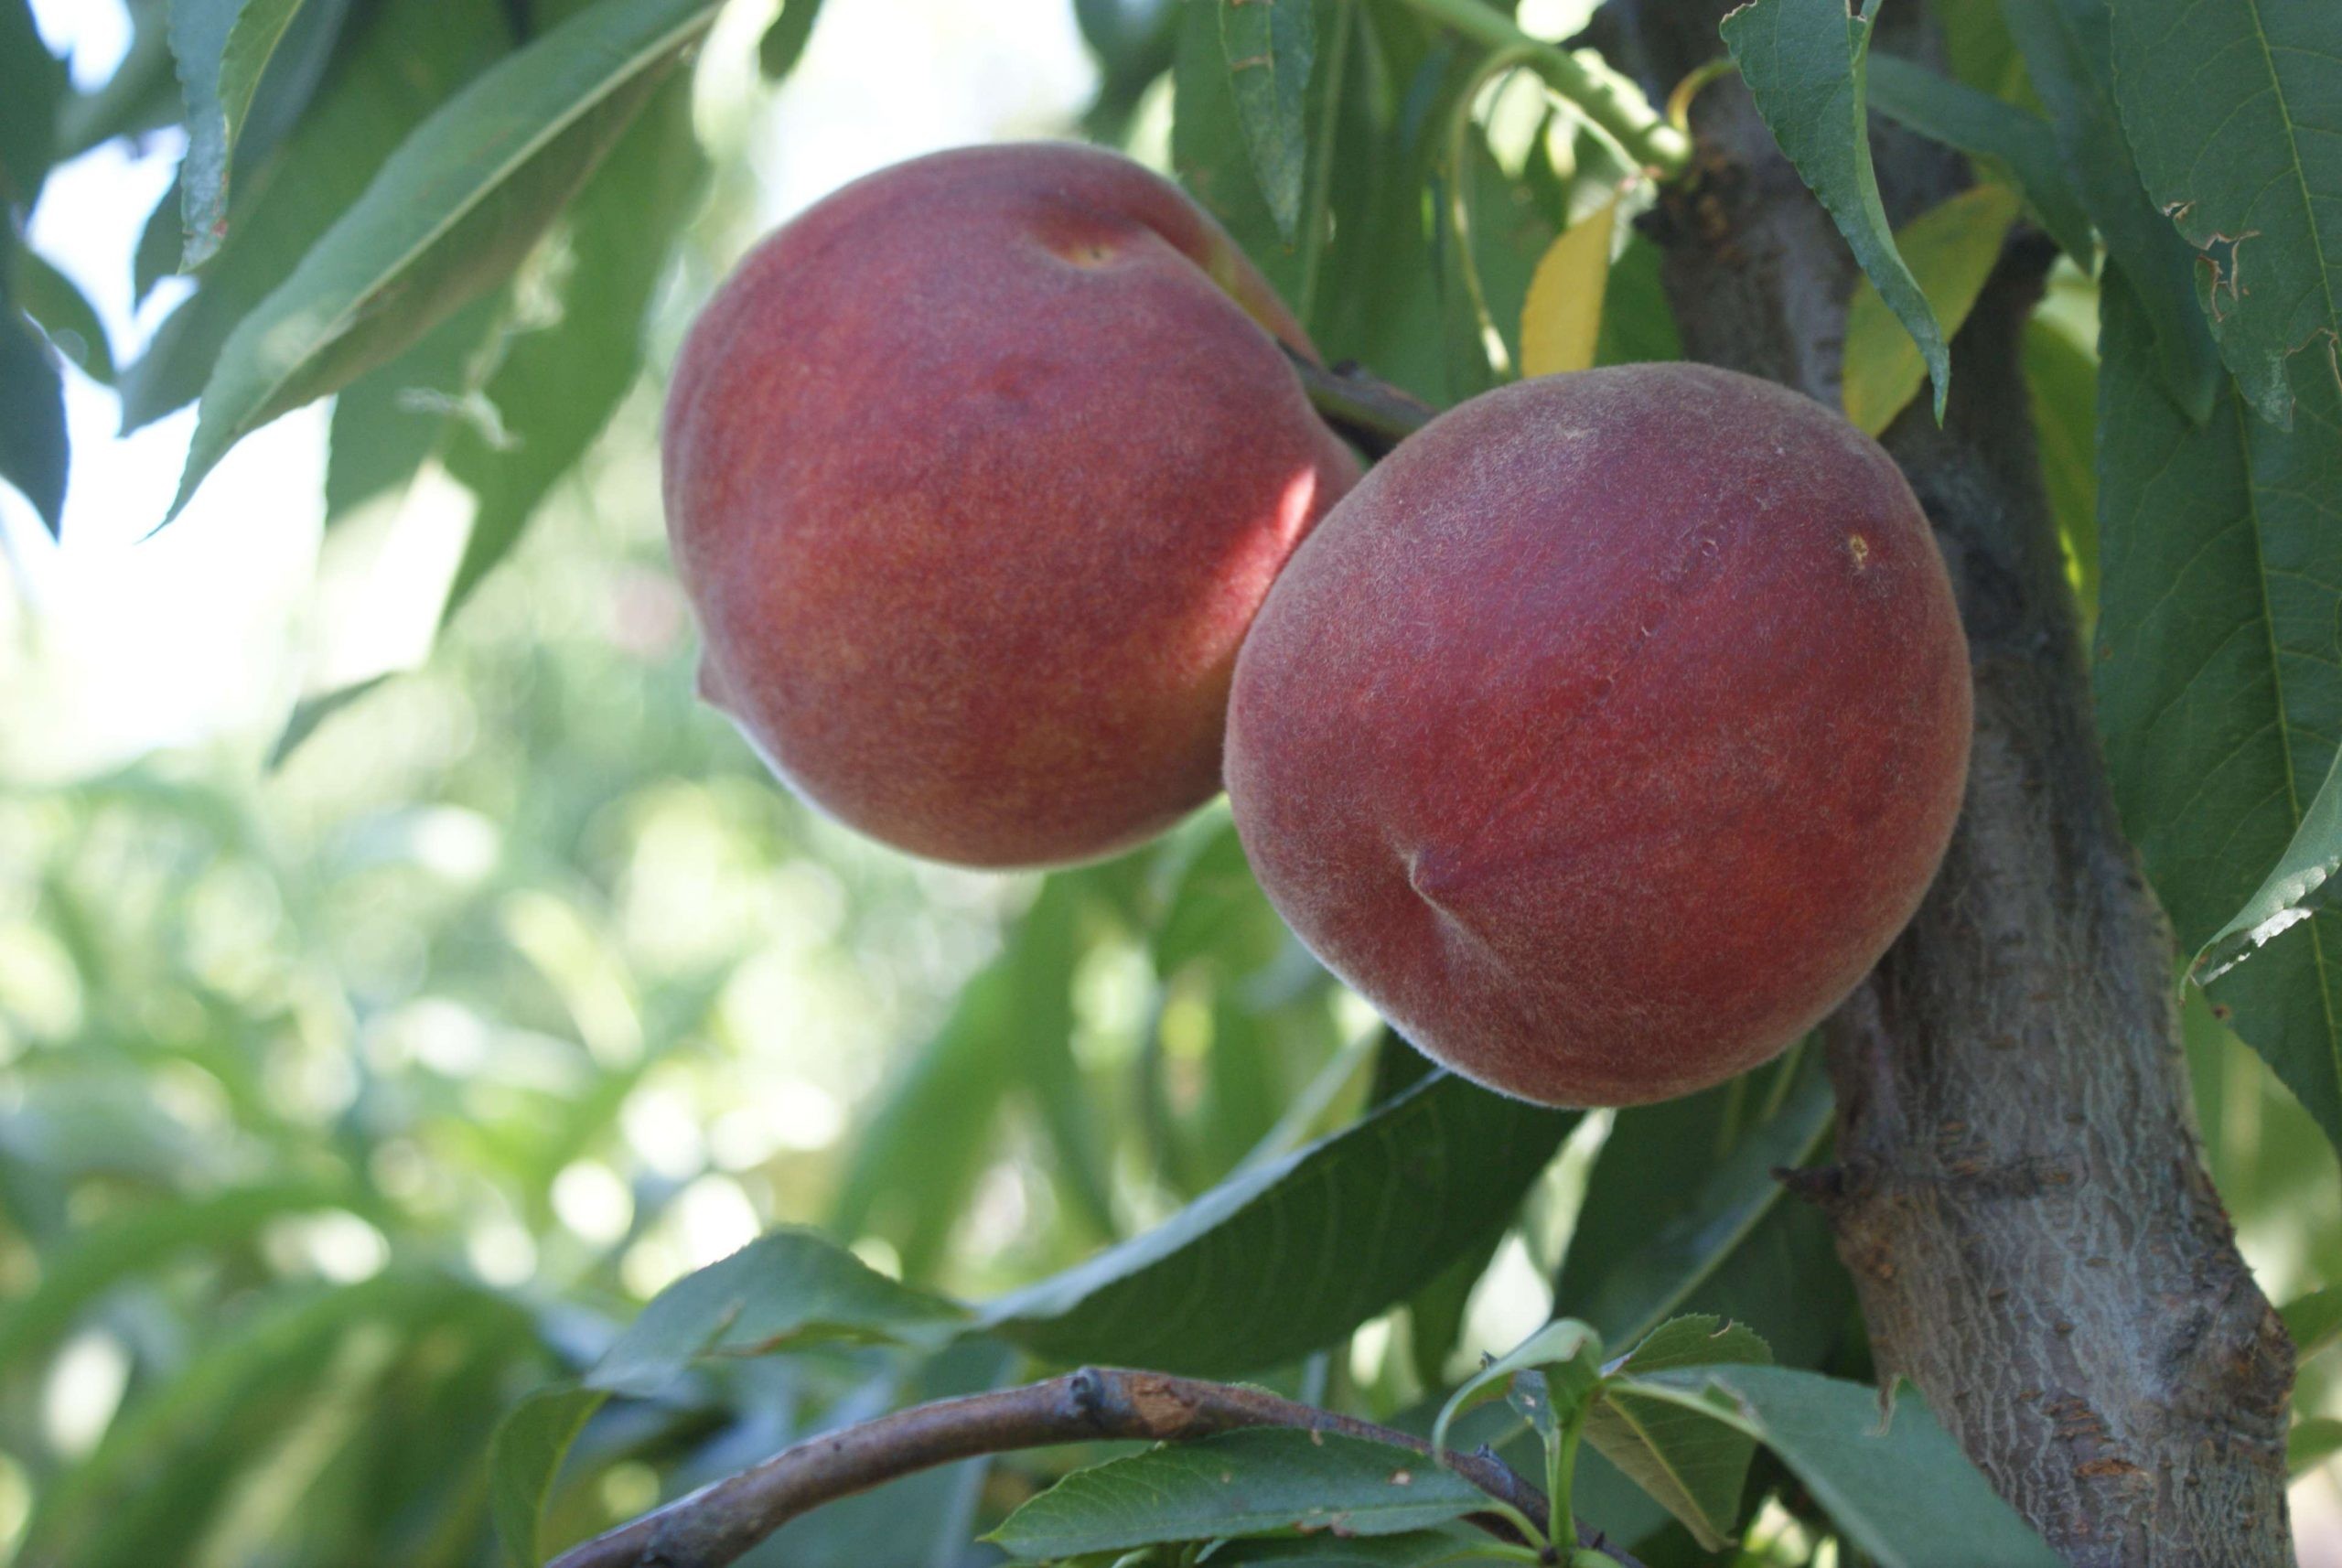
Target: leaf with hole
[2234, 114]
[2218, 690]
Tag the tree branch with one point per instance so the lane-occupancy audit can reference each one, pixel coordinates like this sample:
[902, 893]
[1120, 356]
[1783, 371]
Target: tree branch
[2021, 1200]
[716, 1524]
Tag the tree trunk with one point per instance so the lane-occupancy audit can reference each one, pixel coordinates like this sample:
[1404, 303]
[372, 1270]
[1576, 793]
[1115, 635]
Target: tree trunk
[2020, 1196]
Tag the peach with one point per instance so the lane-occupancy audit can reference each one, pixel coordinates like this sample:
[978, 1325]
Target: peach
[1609, 731]
[976, 472]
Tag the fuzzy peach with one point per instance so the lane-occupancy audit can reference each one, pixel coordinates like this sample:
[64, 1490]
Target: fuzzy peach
[976, 472]
[1609, 731]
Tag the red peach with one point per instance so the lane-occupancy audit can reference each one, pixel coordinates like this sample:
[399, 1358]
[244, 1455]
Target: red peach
[976, 473]
[1609, 731]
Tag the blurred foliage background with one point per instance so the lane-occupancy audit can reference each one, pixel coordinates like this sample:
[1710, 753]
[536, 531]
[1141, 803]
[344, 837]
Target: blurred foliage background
[346, 1099]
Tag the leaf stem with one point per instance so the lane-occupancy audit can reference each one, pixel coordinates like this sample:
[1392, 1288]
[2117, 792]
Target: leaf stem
[1369, 412]
[1613, 104]
[1561, 1470]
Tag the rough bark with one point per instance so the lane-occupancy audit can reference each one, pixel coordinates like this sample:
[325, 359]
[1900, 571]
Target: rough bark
[2020, 1196]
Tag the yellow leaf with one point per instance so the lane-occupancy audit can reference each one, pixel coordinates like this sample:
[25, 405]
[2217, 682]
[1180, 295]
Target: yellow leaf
[1950, 249]
[1563, 315]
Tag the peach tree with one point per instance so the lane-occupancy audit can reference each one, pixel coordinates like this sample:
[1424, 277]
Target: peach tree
[1946, 1282]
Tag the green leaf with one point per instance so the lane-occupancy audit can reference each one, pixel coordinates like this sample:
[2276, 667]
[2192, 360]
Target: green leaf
[32, 85]
[1213, 153]
[1133, 41]
[524, 1458]
[1288, 1256]
[2315, 1321]
[1562, 1344]
[1804, 61]
[1987, 128]
[1010, 1030]
[392, 418]
[788, 1288]
[1951, 248]
[52, 299]
[1269, 45]
[1906, 1495]
[1692, 1463]
[142, 95]
[450, 215]
[1212, 902]
[784, 42]
[2233, 117]
[140, 1239]
[222, 46]
[404, 58]
[2067, 56]
[1240, 1483]
[34, 453]
[1630, 1269]
[2218, 693]
[1416, 1549]
[311, 714]
[2061, 380]
[2313, 1441]
[1637, 324]
[559, 382]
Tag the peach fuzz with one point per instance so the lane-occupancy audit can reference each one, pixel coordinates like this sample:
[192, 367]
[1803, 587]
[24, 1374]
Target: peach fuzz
[976, 473]
[1609, 731]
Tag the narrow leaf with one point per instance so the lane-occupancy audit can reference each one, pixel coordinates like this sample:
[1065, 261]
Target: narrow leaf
[2313, 1441]
[1695, 1466]
[34, 454]
[1906, 1495]
[222, 47]
[2234, 117]
[787, 1288]
[1562, 323]
[32, 85]
[559, 382]
[2068, 57]
[1241, 1482]
[1986, 127]
[2315, 1321]
[52, 299]
[524, 1458]
[1952, 249]
[1288, 1256]
[1418, 1549]
[1638, 1289]
[784, 42]
[449, 215]
[403, 59]
[2218, 693]
[1269, 45]
[1804, 61]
